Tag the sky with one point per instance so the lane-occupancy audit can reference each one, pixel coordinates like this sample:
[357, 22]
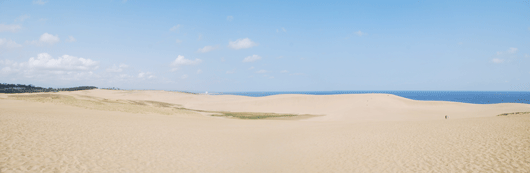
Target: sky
[238, 46]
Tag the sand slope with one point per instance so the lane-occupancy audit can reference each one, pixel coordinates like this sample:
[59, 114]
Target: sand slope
[359, 133]
[347, 107]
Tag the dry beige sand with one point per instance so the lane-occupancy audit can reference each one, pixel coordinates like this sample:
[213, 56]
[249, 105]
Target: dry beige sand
[125, 131]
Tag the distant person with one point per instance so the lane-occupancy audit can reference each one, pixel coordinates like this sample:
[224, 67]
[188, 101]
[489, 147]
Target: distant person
[446, 117]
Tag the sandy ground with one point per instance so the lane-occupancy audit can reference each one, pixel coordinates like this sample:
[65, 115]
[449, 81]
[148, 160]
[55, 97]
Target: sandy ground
[123, 131]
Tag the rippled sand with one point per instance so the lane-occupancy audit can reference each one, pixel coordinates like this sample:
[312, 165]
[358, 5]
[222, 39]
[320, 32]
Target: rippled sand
[155, 131]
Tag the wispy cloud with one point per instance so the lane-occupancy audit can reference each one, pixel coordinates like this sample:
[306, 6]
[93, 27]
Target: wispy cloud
[207, 49]
[268, 76]
[502, 55]
[117, 69]
[46, 39]
[22, 18]
[261, 71]
[252, 58]
[9, 28]
[512, 50]
[284, 71]
[281, 29]
[497, 60]
[241, 44]
[39, 2]
[180, 61]
[70, 39]
[174, 28]
[360, 33]
[178, 41]
[230, 71]
[8, 44]
[146, 75]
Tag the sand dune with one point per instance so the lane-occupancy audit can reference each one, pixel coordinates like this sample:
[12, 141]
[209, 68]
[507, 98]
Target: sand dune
[155, 131]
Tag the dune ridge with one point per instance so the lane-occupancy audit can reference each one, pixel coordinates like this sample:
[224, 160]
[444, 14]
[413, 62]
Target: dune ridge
[145, 131]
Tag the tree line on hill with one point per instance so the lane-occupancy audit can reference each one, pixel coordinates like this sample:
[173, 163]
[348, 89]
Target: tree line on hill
[20, 88]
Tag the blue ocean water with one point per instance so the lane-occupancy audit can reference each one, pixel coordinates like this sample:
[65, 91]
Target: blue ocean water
[476, 97]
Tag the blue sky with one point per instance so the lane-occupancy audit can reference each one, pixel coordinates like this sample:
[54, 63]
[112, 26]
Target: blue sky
[267, 45]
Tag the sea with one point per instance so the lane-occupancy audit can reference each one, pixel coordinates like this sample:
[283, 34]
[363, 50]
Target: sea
[475, 97]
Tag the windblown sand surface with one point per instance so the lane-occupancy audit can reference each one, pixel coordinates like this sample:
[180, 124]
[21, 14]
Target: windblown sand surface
[157, 131]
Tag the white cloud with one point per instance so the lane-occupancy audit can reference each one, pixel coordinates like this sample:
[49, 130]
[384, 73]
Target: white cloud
[200, 37]
[296, 74]
[251, 68]
[183, 61]
[46, 39]
[199, 71]
[70, 39]
[174, 28]
[284, 71]
[282, 29]
[252, 58]
[22, 18]
[262, 71]
[241, 44]
[207, 49]
[360, 33]
[510, 50]
[526, 55]
[8, 44]
[497, 60]
[45, 67]
[117, 69]
[184, 76]
[229, 18]
[144, 75]
[9, 28]
[271, 77]
[39, 2]
[230, 71]
[65, 62]
[178, 41]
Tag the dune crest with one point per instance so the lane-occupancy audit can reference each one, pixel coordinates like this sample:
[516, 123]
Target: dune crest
[347, 107]
[157, 131]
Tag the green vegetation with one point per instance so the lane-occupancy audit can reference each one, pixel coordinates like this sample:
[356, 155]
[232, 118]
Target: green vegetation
[513, 113]
[20, 88]
[144, 106]
[251, 115]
